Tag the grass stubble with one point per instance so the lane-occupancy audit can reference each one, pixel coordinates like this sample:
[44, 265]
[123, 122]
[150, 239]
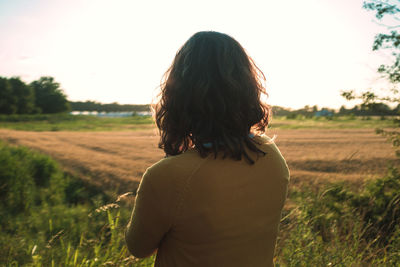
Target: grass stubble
[118, 159]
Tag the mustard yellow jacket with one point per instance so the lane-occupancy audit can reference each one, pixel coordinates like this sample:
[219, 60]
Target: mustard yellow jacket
[195, 211]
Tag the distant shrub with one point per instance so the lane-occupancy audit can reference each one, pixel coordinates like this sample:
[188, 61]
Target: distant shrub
[350, 116]
[329, 118]
[294, 116]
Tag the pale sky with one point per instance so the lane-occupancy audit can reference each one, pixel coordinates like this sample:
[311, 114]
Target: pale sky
[118, 50]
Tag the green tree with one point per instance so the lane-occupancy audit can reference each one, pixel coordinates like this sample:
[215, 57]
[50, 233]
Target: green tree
[49, 97]
[391, 40]
[23, 94]
[8, 101]
[388, 13]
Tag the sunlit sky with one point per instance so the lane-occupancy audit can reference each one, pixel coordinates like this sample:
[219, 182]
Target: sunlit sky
[117, 51]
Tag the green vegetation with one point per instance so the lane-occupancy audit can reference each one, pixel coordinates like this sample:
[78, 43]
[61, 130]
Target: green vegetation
[41, 96]
[50, 218]
[49, 98]
[362, 110]
[335, 122]
[67, 122]
[112, 107]
[339, 226]
[388, 12]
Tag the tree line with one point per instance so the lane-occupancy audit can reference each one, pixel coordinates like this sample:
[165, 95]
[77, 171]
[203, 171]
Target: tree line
[112, 107]
[46, 96]
[40, 96]
[364, 109]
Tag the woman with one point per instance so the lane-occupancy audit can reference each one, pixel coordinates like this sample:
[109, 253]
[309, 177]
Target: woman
[217, 196]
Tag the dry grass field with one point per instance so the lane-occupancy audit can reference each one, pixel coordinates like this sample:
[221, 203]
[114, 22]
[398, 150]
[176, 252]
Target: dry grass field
[116, 160]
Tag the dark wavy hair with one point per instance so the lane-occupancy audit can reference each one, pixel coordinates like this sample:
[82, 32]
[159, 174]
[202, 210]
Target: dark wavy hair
[210, 99]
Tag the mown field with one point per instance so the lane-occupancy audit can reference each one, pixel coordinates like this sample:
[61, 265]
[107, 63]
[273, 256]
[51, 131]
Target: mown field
[118, 159]
[340, 210]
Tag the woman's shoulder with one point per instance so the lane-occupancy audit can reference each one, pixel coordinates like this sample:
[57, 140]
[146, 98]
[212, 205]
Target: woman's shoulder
[178, 162]
[173, 170]
[273, 156]
[267, 144]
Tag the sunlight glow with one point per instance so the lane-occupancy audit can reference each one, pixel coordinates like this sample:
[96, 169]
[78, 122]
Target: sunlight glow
[118, 50]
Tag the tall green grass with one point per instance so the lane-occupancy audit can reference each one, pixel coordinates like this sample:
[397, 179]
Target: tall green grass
[50, 218]
[340, 226]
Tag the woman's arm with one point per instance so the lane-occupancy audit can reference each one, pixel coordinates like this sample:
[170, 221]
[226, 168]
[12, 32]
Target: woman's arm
[149, 221]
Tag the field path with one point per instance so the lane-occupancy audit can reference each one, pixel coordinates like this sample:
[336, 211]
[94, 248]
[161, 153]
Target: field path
[117, 160]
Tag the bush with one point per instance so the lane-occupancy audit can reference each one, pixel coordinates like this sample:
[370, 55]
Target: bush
[50, 218]
[340, 226]
[28, 179]
[377, 205]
